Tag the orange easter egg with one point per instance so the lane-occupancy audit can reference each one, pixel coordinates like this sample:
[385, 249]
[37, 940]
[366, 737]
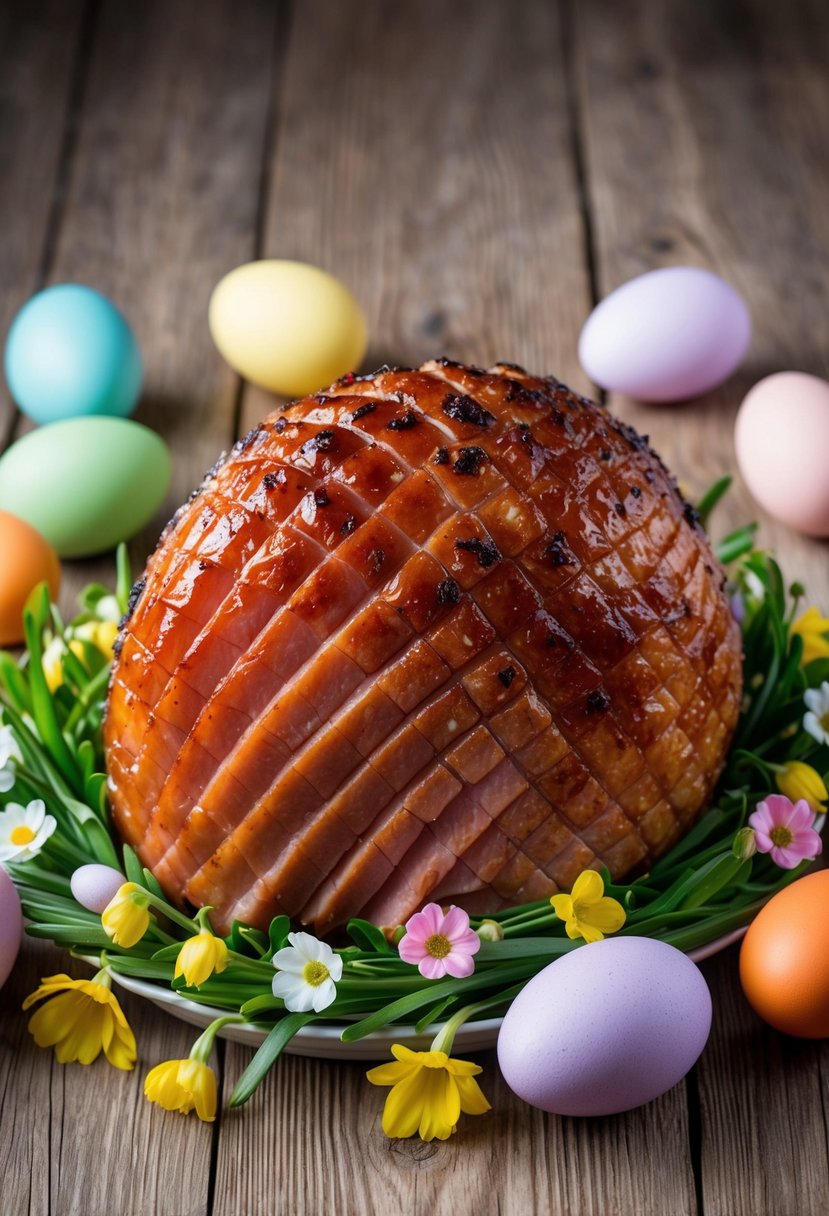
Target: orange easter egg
[26, 559]
[784, 959]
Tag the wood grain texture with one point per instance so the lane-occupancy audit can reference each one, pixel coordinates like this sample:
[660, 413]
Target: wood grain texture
[441, 186]
[702, 127]
[705, 129]
[40, 45]
[442, 160]
[328, 1152]
[422, 154]
[162, 200]
[83, 1141]
[765, 1141]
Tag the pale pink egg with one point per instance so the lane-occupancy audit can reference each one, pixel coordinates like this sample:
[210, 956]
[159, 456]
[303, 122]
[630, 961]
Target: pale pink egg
[782, 441]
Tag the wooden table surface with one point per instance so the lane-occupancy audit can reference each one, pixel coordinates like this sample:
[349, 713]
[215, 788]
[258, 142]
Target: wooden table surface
[480, 173]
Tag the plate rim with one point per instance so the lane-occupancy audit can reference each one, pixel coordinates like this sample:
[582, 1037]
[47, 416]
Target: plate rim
[322, 1039]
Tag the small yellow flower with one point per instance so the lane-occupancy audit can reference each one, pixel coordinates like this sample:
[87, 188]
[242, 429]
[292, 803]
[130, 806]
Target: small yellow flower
[126, 918]
[101, 634]
[183, 1085]
[587, 911]
[81, 1019]
[199, 957]
[429, 1091]
[814, 629]
[798, 780]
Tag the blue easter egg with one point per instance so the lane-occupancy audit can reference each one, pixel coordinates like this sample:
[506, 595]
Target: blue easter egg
[70, 352]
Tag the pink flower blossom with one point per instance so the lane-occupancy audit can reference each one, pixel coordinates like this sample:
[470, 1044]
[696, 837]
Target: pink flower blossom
[440, 944]
[785, 830]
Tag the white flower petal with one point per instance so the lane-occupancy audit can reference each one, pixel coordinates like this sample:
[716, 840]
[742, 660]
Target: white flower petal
[289, 959]
[297, 995]
[34, 815]
[335, 966]
[813, 726]
[311, 948]
[323, 995]
[6, 780]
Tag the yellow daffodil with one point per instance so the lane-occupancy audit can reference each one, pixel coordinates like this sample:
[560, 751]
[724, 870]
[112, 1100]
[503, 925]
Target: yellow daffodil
[429, 1092]
[80, 1019]
[587, 912]
[814, 629]
[126, 917]
[199, 957]
[190, 1084]
[183, 1085]
[798, 780]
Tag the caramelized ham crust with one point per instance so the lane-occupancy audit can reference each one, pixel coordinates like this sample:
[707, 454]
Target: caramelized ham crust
[438, 634]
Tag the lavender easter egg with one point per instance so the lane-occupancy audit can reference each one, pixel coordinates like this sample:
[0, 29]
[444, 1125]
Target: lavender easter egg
[11, 925]
[605, 1028]
[94, 885]
[666, 335]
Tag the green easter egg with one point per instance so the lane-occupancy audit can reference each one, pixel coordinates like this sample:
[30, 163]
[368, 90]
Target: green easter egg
[86, 483]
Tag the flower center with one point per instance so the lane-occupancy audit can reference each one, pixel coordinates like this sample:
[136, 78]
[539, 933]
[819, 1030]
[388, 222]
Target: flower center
[781, 836]
[22, 835]
[315, 973]
[438, 945]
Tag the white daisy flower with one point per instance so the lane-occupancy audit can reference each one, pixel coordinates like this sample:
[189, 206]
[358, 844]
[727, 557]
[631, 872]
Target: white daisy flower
[9, 753]
[816, 721]
[307, 972]
[24, 830]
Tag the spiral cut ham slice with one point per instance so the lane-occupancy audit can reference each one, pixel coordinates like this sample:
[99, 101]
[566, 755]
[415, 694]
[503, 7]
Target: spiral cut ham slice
[441, 634]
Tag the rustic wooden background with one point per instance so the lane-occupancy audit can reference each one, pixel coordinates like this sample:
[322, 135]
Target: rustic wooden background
[480, 173]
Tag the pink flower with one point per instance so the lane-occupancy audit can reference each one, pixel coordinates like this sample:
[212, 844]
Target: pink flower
[785, 830]
[439, 944]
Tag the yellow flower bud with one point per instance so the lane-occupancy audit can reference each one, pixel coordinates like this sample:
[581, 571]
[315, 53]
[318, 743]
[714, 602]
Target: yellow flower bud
[798, 780]
[814, 629]
[183, 1085]
[126, 918]
[199, 957]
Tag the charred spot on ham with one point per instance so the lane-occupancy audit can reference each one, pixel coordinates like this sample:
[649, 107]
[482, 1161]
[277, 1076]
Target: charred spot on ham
[509, 696]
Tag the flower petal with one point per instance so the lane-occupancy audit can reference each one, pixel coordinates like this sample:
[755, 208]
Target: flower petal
[458, 964]
[322, 995]
[607, 915]
[404, 1105]
[588, 887]
[432, 968]
[473, 1101]
[455, 923]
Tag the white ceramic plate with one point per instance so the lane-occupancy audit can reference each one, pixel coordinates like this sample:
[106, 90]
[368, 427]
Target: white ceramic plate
[323, 1041]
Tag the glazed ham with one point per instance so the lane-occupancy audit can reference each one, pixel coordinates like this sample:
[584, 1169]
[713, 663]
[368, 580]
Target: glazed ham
[439, 634]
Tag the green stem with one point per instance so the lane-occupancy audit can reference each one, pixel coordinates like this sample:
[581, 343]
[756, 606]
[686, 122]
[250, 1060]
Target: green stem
[203, 1045]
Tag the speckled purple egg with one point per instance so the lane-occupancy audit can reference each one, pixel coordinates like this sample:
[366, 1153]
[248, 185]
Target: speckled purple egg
[605, 1028]
[666, 335]
[93, 886]
[11, 925]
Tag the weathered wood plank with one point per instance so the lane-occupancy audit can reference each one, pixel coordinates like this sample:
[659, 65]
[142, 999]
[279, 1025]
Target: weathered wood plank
[762, 1103]
[39, 47]
[161, 199]
[82, 1140]
[425, 156]
[704, 127]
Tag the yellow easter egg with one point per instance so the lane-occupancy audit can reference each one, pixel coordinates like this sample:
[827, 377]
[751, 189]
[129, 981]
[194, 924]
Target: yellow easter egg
[287, 326]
